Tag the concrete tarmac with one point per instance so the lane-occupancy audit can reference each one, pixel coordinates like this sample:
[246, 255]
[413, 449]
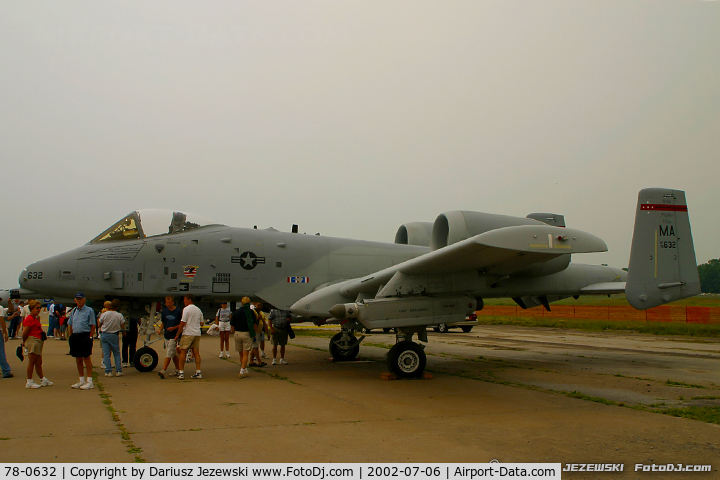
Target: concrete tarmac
[496, 393]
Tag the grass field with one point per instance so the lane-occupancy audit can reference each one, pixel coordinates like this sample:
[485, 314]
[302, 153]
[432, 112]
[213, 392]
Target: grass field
[710, 300]
[654, 328]
[669, 328]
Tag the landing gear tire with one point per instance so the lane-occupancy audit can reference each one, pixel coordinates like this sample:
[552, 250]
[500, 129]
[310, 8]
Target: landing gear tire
[442, 328]
[145, 359]
[386, 330]
[366, 330]
[406, 359]
[341, 350]
[467, 329]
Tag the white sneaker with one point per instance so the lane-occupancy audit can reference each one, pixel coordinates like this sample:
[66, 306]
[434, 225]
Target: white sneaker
[283, 362]
[124, 364]
[45, 382]
[78, 384]
[119, 374]
[102, 364]
[108, 374]
[87, 386]
[32, 384]
[274, 362]
[222, 354]
[262, 355]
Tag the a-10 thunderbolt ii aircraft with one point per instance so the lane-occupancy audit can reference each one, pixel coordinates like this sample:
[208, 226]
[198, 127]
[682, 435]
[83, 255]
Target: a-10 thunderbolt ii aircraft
[434, 272]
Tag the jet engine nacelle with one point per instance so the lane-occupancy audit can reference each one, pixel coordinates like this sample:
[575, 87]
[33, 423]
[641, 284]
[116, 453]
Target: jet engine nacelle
[403, 312]
[414, 233]
[455, 226]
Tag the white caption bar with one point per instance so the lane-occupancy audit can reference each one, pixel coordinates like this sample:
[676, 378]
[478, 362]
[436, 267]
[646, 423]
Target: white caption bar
[287, 471]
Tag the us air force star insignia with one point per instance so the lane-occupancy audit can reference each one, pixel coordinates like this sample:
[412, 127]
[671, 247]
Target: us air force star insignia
[248, 260]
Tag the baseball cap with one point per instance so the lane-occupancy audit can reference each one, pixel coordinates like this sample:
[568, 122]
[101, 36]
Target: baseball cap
[79, 295]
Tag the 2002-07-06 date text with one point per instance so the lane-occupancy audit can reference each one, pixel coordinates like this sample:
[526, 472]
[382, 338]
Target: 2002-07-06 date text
[406, 472]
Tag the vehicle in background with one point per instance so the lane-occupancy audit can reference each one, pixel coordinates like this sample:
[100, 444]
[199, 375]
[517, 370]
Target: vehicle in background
[466, 326]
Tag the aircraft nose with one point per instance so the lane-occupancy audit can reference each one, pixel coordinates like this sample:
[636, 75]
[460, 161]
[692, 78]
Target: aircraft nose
[26, 277]
[35, 275]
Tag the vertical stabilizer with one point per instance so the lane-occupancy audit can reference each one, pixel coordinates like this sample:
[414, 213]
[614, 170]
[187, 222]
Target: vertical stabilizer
[662, 265]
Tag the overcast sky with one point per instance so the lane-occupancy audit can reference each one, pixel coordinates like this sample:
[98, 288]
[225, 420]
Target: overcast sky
[351, 118]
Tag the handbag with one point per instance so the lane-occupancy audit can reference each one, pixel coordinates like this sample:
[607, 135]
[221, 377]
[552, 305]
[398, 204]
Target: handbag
[19, 353]
[43, 336]
[291, 334]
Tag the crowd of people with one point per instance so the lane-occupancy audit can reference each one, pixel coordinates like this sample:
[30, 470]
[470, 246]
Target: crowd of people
[180, 328]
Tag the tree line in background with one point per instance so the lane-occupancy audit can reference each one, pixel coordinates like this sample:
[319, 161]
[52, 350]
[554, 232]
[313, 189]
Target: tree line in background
[710, 276]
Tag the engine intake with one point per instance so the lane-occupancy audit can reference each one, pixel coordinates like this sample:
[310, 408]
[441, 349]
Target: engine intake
[414, 233]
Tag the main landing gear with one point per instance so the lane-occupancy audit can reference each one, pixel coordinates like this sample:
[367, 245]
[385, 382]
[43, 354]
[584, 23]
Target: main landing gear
[406, 358]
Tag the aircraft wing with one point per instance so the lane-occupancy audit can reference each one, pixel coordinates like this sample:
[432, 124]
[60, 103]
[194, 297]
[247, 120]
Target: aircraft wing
[504, 250]
[501, 251]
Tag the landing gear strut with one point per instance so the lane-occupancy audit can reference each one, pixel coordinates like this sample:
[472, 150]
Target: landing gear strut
[146, 359]
[407, 359]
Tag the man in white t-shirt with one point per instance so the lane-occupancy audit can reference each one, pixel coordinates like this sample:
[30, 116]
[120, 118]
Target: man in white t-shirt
[52, 325]
[188, 335]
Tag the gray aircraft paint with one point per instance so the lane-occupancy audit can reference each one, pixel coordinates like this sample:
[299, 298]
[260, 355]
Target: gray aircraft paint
[209, 263]
[476, 254]
[431, 275]
[662, 265]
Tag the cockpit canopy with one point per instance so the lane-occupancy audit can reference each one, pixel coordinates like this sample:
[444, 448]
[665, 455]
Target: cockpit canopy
[150, 223]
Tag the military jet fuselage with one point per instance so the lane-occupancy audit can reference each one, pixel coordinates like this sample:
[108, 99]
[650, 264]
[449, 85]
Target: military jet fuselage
[433, 273]
[214, 262]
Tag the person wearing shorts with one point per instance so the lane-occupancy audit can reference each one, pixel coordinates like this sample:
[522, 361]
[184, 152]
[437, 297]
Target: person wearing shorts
[81, 327]
[170, 317]
[258, 323]
[242, 326]
[33, 343]
[279, 320]
[264, 329]
[188, 335]
[222, 320]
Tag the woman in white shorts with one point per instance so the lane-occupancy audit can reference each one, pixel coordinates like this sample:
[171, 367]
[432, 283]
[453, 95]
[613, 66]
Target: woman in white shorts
[222, 320]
